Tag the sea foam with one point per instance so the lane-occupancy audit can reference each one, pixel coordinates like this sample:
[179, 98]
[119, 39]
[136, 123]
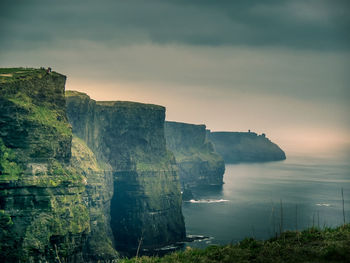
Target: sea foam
[207, 201]
[323, 204]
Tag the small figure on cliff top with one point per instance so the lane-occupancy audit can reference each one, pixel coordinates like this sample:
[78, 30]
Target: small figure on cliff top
[48, 70]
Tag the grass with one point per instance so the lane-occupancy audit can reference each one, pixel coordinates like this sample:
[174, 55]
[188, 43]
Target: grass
[15, 70]
[125, 104]
[130, 104]
[311, 245]
[42, 114]
[13, 74]
[9, 169]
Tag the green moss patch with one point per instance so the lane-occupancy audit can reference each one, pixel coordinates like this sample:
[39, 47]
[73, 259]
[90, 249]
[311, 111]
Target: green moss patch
[43, 115]
[32, 110]
[9, 169]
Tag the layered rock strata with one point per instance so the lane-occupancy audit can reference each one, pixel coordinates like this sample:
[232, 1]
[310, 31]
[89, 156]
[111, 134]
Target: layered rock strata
[146, 203]
[49, 197]
[198, 163]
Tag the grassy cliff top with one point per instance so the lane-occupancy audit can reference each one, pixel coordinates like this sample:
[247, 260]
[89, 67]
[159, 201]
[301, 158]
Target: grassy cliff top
[125, 104]
[130, 104]
[227, 133]
[311, 245]
[16, 74]
[15, 70]
[184, 124]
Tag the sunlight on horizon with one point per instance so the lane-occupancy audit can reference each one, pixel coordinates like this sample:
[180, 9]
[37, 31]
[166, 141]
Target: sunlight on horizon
[296, 138]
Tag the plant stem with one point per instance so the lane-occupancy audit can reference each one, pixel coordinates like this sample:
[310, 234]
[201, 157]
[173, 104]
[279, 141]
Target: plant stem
[342, 196]
[296, 217]
[138, 247]
[281, 223]
[57, 257]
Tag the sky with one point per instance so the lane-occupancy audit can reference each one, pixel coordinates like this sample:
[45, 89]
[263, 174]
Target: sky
[279, 67]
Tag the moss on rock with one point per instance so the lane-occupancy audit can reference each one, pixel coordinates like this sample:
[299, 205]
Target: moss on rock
[32, 110]
[99, 189]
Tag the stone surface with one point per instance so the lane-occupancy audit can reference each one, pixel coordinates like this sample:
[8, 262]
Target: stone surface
[236, 147]
[129, 136]
[198, 163]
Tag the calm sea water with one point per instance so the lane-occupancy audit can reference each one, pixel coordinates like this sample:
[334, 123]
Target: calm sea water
[249, 203]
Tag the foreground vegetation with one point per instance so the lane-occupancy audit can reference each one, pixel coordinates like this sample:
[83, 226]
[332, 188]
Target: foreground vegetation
[311, 245]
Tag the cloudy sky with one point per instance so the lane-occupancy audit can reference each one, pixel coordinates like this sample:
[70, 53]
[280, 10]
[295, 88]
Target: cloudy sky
[277, 66]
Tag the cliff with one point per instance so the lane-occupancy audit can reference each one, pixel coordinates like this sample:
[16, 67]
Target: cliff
[236, 147]
[197, 161]
[98, 179]
[146, 203]
[49, 197]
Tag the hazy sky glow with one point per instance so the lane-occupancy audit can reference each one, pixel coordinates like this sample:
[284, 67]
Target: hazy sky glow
[279, 67]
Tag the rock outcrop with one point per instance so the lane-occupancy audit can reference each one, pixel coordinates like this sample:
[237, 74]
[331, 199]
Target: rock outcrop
[146, 203]
[53, 197]
[236, 147]
[198, 163]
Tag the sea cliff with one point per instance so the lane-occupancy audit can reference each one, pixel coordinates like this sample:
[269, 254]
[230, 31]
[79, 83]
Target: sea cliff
[198, 163]
[236, 147]
[49, 202]
[146, 203]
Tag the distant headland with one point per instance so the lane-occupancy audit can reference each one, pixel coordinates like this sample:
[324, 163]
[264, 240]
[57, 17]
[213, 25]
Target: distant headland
[238, 147]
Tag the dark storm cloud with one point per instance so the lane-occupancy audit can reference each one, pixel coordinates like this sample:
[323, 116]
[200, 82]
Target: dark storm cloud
[310, 24]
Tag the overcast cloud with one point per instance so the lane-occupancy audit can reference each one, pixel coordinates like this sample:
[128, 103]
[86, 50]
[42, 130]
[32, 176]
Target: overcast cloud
[280, 67]
[301, 24]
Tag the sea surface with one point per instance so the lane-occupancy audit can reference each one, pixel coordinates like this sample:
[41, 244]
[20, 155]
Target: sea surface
[261, 199]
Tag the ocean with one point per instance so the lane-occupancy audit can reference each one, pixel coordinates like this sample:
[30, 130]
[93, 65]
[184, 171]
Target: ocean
[261, 199]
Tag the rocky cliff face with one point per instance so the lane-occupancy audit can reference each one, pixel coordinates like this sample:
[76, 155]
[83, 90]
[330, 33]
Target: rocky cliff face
[236, 147]
[98, 180]
[146, 204]
[49, 200]
[198, 164]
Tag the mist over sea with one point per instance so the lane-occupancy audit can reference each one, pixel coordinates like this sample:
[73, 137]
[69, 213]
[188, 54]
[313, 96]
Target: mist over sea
[249, 203]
